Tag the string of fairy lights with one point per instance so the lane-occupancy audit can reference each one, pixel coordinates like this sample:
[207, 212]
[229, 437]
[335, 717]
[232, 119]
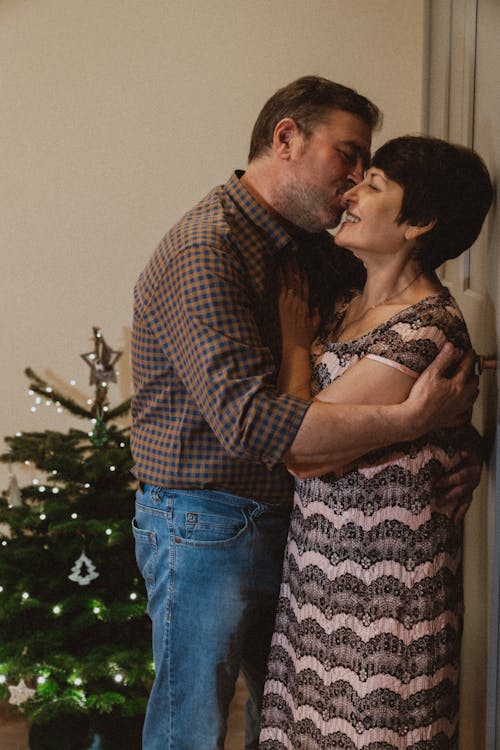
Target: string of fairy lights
[101, 362]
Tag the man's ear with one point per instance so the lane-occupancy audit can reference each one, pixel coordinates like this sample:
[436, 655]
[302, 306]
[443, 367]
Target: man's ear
[413, 231]
[284, 133]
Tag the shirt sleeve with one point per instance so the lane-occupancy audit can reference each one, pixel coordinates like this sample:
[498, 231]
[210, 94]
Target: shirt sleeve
[414, 339]
[202, 314]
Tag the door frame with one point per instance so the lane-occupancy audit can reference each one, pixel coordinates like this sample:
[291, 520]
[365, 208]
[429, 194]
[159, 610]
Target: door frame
[449, 110]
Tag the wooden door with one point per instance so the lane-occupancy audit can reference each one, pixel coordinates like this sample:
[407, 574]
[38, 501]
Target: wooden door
[463, 85]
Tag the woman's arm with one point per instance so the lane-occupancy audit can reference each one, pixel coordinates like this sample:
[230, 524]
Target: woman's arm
[366, 382]
[370, 382]
[333, 434]
[298, 329]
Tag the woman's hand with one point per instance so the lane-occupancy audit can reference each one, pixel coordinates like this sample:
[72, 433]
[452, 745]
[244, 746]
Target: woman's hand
[298, 329]
[298, 325]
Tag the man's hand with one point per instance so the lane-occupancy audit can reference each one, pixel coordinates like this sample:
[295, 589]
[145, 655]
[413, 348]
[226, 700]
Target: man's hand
[446, 391]
[454, 490]
[444, 394]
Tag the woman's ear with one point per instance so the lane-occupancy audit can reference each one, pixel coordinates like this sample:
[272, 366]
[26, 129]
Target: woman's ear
[413, 231]
[284, 133]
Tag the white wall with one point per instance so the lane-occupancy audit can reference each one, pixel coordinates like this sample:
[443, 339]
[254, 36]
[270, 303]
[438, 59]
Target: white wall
[117, 115]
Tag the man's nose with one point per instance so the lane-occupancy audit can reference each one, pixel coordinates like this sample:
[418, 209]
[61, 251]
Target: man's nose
[348, 185]
[356, 172]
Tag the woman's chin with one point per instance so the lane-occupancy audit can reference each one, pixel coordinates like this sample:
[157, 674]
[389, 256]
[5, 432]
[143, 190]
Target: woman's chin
[342, 241]
[345, 246]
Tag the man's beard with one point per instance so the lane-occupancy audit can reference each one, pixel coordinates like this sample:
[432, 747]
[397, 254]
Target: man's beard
[307, 206]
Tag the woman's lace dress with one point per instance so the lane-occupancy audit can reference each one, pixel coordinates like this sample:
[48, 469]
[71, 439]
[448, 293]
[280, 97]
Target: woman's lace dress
[365, 653]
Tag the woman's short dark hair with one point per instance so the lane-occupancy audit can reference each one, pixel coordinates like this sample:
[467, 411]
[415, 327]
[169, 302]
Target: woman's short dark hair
[442, 182]
[308, 100]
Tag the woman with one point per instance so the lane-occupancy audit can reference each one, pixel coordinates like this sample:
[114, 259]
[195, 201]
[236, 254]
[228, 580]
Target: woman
[366, 647]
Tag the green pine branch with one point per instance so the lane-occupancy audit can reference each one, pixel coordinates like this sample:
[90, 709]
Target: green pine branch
[50, 625]
[119, 411]
[43, 388]
[40, 386]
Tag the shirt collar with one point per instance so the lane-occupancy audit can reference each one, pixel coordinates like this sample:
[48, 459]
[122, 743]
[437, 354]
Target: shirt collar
[280, 238]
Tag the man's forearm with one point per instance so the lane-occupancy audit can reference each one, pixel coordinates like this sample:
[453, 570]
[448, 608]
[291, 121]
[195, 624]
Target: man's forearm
[332, 435]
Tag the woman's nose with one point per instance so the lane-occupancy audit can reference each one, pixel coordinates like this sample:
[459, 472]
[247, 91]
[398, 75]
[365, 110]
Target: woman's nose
[350, 194]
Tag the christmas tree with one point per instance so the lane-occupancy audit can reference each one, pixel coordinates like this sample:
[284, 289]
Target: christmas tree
[74, 634]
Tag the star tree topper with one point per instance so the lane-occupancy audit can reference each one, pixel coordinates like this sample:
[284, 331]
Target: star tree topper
[102, 371]
[102, 360]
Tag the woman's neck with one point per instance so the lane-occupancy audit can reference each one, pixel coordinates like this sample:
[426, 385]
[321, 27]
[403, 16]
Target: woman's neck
[396, 283]
[386, 291]
[388, 284]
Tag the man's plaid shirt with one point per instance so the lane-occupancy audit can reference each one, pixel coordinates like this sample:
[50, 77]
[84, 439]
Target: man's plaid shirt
[206, 349]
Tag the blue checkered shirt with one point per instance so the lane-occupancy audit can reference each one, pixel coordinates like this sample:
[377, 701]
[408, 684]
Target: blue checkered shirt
[206, 349]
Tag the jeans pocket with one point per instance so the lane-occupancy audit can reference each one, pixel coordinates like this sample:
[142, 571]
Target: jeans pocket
[146, 553]
[200, 528]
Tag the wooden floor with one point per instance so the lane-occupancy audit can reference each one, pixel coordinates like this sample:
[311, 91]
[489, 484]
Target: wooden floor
[235, 730]
[14, 731]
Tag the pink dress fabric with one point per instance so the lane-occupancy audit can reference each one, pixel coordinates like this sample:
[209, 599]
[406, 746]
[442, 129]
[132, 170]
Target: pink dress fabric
[365, 654]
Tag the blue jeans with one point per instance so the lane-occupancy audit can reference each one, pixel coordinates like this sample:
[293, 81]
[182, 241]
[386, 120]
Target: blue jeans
[212, 566]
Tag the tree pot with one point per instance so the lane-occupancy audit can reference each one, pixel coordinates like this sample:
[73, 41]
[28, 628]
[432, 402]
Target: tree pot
[76, 733]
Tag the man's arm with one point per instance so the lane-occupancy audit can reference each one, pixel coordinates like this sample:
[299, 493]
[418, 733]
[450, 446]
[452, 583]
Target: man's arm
[332, 435]
[201, 312]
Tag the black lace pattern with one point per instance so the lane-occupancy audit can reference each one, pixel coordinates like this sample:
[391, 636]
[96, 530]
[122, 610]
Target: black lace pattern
[366, 649]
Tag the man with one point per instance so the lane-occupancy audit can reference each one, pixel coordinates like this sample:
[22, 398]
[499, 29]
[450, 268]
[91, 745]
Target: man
[211, 435]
